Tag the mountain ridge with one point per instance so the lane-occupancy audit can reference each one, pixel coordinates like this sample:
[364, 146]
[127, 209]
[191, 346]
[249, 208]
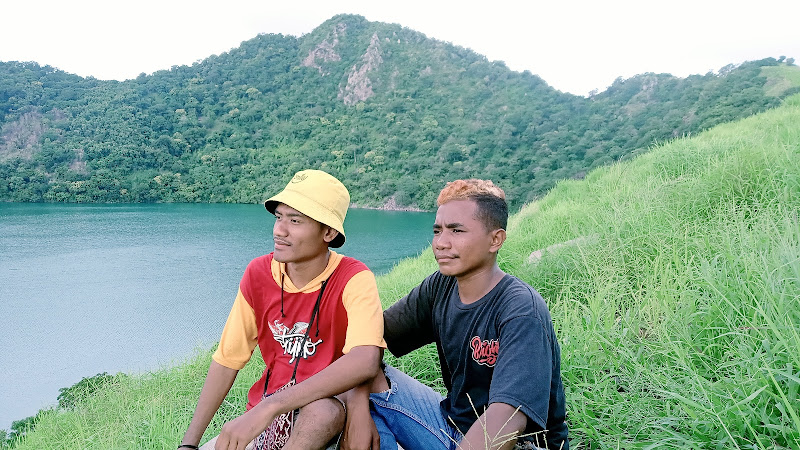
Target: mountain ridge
[388, 110]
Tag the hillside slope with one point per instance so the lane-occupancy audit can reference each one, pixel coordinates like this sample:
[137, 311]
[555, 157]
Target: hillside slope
[674, 284]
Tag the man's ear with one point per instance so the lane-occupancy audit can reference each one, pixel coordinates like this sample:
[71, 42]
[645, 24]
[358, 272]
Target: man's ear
[498, 236]
[330, 234]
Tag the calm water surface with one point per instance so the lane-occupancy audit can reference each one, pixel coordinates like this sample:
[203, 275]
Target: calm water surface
[86, 289]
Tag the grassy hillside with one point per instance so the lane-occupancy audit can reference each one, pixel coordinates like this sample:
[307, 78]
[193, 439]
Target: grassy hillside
[780, 79]
[674, 283]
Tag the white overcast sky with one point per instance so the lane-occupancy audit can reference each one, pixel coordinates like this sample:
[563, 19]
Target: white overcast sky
[574, 45]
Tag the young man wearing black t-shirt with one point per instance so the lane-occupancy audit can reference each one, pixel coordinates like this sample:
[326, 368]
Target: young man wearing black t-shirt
[500, 359]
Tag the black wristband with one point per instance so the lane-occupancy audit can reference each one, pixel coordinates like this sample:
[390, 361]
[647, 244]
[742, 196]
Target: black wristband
[193, 447]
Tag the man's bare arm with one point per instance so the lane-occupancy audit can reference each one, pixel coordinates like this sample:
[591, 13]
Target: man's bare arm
[360, 364]
[360, 432]
[218, 382]
[496, 429]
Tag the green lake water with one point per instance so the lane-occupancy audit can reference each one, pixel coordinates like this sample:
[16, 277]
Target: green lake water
[86, 289]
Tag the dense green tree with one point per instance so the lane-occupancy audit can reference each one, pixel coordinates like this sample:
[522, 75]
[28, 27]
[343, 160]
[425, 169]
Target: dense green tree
[391, 112]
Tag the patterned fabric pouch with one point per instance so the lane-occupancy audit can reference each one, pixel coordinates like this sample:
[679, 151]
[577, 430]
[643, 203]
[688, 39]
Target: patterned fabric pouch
[277, 433]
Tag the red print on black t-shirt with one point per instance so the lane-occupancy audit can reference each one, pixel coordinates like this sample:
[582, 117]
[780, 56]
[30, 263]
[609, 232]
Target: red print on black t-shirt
[484, 352]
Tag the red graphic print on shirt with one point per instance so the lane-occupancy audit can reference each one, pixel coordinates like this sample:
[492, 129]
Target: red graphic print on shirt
[484, 352]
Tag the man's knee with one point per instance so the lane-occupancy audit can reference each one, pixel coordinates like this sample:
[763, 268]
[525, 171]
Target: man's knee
[316, 424]
[325, 410]
[210, 444]
[213, 442]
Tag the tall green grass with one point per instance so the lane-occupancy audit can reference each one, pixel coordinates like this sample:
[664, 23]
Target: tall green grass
[677, 305]
[680, 319]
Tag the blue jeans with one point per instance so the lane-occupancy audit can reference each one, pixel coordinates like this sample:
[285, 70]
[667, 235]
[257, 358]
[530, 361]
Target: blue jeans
[408, 414]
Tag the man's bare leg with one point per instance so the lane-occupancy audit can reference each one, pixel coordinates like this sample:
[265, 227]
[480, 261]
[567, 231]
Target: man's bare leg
[317, 423]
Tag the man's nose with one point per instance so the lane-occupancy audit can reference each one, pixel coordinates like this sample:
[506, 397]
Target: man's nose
[279, 229]
[440, 241]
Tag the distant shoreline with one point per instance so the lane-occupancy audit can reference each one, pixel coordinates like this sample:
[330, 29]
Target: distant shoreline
[391, 205]
[390, 208]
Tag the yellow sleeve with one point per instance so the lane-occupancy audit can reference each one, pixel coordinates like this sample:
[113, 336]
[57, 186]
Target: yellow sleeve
[364, 312]
[239, 337]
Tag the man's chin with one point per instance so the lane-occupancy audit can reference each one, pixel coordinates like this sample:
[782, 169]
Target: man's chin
[447, 270]
[281, 256]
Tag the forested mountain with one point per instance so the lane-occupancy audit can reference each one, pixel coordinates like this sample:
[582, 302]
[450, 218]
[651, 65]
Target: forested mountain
[390, 111]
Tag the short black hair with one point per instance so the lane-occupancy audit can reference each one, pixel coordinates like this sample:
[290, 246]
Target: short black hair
[492, 211]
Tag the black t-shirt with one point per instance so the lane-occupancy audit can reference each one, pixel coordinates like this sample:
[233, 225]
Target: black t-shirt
[501, 348]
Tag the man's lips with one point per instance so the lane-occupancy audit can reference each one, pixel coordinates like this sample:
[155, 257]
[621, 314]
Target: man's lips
[280, 242]
[445, 258]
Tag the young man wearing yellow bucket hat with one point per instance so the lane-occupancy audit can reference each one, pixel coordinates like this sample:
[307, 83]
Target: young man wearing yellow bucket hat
[316, 318]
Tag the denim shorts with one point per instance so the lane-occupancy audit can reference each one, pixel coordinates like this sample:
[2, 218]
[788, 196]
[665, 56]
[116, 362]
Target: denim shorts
[408, 414]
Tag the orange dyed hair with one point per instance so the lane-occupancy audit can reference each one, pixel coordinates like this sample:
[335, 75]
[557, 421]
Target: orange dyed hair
[468, 189]
[491, 200]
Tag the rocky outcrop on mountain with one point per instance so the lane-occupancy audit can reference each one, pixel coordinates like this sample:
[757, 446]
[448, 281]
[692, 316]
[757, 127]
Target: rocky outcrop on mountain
[325, 50]
[21, 137]
[359, 86]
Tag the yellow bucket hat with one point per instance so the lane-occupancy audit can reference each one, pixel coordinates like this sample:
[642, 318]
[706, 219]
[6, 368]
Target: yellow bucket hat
[318, 195]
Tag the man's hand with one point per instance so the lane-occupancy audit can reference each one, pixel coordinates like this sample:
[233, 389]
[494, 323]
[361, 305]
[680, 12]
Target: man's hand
[360, 432]
[236, 434]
